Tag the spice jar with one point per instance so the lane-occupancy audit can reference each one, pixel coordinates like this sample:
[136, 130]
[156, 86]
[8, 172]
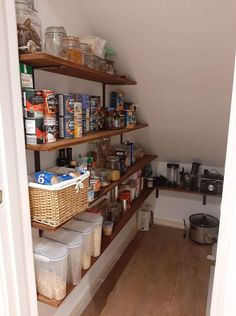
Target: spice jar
[95, 184]
[107, 228]
[125, 198]
[28, 28]
[112, 163]
[54, 37]
[71, 49]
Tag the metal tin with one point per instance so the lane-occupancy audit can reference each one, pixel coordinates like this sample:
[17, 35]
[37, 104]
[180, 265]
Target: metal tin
[50, 102]
[34, 130]
[33, 103]
[66, 127]
[51, 133]
[66, 104]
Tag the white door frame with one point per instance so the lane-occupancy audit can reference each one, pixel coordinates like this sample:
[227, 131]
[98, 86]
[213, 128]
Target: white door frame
[224, 287]
[17, 290]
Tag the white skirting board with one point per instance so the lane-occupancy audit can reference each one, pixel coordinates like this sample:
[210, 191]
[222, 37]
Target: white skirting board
[210, 287]
[168, 222]
[81, 295]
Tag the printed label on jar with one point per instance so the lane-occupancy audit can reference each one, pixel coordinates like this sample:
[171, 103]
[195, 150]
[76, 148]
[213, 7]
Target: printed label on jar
[50, 102]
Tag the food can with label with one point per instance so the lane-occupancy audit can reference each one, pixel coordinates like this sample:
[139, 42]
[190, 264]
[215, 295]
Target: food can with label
[50, 103]
[34, 131]
[33, 103]
[66, 104]
[66, 127]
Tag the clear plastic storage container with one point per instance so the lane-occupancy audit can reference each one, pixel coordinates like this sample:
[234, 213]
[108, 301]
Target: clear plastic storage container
[96, 220]
[86, 230]
[50, 268]
[74, 243]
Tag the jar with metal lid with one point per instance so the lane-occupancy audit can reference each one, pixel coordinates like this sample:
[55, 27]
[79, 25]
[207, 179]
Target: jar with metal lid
[113, 163]
[54, 37]
[71, 49]
[28, 28]
[125, 198]
[104, 176]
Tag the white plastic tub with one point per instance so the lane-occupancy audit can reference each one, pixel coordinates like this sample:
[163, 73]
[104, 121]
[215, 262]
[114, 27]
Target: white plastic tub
[96, 220]
[74, 243]
[50, 268]
[86, 230]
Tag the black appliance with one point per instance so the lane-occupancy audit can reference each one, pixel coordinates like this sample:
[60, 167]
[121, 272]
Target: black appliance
[211, 182]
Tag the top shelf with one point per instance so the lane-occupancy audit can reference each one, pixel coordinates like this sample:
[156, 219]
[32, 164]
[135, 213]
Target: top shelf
[65, 67]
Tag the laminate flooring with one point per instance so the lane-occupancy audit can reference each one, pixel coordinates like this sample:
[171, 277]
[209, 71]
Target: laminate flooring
[159, 274]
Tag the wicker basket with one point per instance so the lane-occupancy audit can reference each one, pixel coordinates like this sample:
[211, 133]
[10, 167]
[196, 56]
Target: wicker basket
[53, 205]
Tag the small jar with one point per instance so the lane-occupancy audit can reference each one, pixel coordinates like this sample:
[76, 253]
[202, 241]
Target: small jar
[90, 194]
[150, 182]
[117, 120]
[113, 163]
[107, 228]
[109, 119]
[104, 177]
[54, 37]
[71, 49]
[125, 198]
[95, 184]
[110, 67]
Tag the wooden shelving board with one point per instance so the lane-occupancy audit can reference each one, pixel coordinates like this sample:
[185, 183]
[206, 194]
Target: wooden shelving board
[67, 142]
[106, 240]
[181, 190]
[65, 67]
[137, 166]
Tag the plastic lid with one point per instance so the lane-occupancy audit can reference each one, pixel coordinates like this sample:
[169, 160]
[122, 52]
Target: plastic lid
[112, 158]
[66, 237]
[79, 226]
[49, 249]
[108, 224]
[203, 220]
[55, 29]
[90, 217]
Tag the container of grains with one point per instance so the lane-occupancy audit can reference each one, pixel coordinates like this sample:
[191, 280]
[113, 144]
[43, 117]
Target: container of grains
[71, 49]
[96, 220]
[107, 228]
[74, 243]
[113, 163]
[104, 176]
[86, 230]
[50, 259]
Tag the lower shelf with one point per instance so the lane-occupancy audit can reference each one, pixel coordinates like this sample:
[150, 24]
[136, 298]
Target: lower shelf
[106, 240]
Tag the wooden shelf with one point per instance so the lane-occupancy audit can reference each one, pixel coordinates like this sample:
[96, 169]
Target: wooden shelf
[137, 166]
[181, 190]
[106, 240]
[67, 142]
[65, 67]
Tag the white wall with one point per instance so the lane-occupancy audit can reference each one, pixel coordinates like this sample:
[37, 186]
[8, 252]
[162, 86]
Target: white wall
[181, 53]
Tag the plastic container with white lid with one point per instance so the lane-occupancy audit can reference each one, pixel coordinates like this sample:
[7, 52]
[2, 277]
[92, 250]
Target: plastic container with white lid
[96, 220]
[86, 230]
[50, 268]
[74, 243]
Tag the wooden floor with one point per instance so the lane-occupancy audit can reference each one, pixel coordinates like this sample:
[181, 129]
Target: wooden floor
[159, 274]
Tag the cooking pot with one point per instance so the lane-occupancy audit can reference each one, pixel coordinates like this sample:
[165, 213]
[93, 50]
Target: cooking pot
[203, 228]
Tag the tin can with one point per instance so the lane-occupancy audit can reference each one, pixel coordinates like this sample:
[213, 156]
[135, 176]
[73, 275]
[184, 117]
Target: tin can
[66, 104]
[46, 178]
[33, 103]
[129, 118]
[34, 131]
[51, 133]
[50, 103]
[84, 99]
[66, 127]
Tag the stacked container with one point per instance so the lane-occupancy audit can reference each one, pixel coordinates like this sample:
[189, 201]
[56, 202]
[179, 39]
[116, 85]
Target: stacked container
[50, 116]
[95, 106]
[66, 115]
[84, 99]
[96, 220]
[78, 126]
[86, 230]
[50, 268]
[74, 243]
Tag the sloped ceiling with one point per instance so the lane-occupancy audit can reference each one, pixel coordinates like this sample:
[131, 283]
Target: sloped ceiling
[181, 52]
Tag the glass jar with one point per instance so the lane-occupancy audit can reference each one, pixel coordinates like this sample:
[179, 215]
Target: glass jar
[102, 65]
[114, 211]
[54, 37]
[109, 119]
[90, 194]
[71, 49]
[110, 67]
[28, 28]
[104, 176]
[101, 148]
[117, 120]
[113, 163]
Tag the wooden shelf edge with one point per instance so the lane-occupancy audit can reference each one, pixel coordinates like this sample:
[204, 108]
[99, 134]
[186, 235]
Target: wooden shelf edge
[67, 142]
[181, 190]
[131, 170]
[54, 64]
[106, 240]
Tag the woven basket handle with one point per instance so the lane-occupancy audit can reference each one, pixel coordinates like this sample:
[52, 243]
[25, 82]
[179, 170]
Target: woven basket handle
[79, 185]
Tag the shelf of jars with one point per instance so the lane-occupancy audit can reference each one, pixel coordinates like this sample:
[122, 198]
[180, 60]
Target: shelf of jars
[106, 240]
[67, 142]
[66, 67]
[140, 164]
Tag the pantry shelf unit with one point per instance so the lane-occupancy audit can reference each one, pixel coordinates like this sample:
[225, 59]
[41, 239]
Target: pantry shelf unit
[131, 170]
[65, 67]
[106, 240]
[67, 142]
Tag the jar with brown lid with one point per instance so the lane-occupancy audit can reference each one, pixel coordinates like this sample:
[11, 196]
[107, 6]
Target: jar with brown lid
[71, 49]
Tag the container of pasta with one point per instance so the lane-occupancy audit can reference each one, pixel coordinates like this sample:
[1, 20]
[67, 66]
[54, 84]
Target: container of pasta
[86, 229]
[96, 220]
[74, 243]
[50, 259]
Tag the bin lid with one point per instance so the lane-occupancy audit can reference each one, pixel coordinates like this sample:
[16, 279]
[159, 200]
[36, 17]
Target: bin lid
[79, 226]
[90, 217]
[66, 237]
[52, 250]
[203, 220]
